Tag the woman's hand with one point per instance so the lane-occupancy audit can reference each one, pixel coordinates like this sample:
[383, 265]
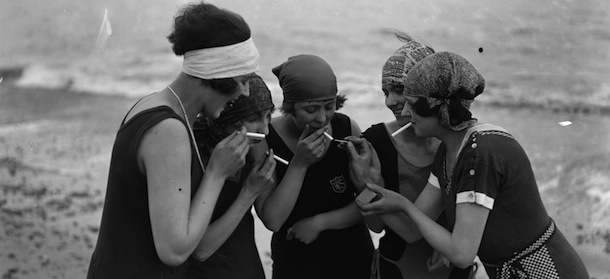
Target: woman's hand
[311, 147]
[229, 155]
[387, 201]
[305, 230]
[364, 164]
[437, 262]
[260, 178]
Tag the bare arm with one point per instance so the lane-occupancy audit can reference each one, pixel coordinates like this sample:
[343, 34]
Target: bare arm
[259, 180]
[460, 246]
[177, 222]
[364, 167]
[308, 229]
[429, 202]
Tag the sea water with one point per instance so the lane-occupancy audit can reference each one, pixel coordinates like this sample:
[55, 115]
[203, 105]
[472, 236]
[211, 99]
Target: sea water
[552, 53]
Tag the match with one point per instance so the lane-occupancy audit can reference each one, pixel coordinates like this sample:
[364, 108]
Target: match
[255, 135]
[334, 139]
[401, 129]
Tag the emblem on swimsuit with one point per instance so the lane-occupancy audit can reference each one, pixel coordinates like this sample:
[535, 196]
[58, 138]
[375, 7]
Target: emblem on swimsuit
[338, 184]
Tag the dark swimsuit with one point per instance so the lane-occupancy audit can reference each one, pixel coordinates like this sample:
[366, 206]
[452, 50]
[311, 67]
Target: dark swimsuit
[125, 247]
[344, 253]
[391, 246]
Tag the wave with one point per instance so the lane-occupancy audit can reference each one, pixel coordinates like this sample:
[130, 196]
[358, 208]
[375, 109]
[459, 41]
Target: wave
[142, 76]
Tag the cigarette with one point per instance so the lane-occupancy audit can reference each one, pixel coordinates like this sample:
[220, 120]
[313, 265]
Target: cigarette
[280, 159]
[401, 129]
[334, 139]
[255, 135]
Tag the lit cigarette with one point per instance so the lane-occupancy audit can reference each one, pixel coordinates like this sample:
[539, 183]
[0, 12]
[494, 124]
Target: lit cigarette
[280, 159]
[255, 135]
[401, 129]
[333, 139]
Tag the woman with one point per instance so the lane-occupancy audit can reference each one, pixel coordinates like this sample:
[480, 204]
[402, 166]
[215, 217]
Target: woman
[483, 178]
[228, 249]
[318, 231]
[406, 161]
[160, 196]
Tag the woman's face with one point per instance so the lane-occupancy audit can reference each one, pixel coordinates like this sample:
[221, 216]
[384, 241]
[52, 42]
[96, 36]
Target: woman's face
[396, 101]
[316, 114]
[220, 101]
[243, 84]
[258, 123]
[424, 126]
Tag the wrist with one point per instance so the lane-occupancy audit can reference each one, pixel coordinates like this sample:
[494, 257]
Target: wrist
[298, 166]
[247, 195]
[212, 176]
[213, 173]
[407, 206]
[319, 222]
[298, 162]
[245, 199]
[376, 178]
[359, 185]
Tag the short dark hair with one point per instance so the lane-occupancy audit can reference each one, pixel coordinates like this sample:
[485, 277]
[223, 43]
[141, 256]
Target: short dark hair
[288, 107]
[202, 25]
[226, 86]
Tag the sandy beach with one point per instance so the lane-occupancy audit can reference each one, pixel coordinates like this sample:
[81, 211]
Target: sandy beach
[55, 148]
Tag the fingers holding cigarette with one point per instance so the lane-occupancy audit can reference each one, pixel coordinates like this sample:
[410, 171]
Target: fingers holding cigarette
[328, 136]
[262, 136]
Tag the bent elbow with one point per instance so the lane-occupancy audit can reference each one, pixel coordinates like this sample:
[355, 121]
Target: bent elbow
[201, 256]
[462, 264]
[270, 224]
[273, 226]
[173, 260]
[463, 261]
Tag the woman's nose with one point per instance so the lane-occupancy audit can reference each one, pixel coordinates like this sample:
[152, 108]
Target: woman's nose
[391, 100]
[263, 129]
[245, 89]
[321, 116]
[406, 111]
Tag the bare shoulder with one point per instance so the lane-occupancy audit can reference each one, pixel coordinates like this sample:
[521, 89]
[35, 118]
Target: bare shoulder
[168, 136]
[167, 129]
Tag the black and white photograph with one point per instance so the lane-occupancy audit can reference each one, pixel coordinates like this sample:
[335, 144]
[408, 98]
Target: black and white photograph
[232, 139]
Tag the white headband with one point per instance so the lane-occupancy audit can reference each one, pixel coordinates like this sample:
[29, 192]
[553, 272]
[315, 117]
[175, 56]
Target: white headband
[222, 62]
